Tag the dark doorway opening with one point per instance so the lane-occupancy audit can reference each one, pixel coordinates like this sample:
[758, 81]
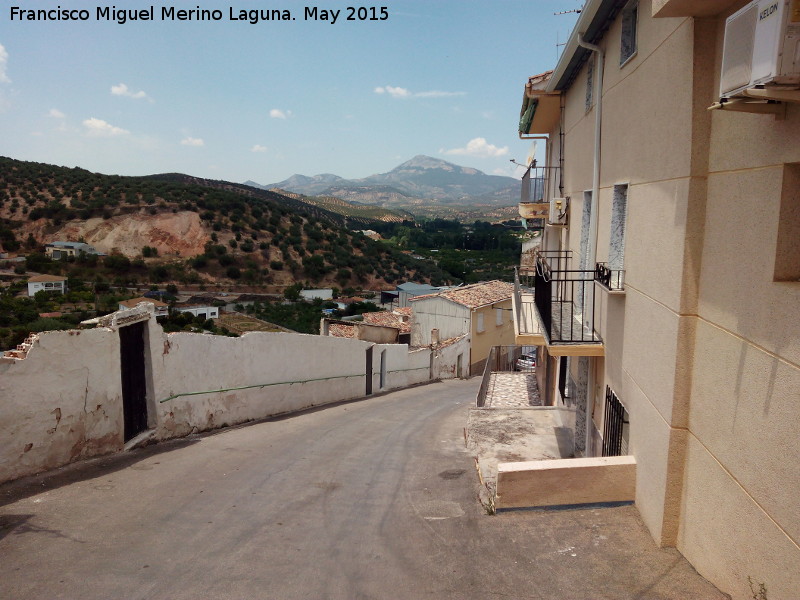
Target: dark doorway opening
[134, 387]
[369, 371]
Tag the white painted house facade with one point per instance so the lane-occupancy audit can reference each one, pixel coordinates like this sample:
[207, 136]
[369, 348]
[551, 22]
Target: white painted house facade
[47, 283]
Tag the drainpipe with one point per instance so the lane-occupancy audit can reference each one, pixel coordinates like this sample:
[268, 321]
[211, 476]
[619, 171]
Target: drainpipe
[592, 246]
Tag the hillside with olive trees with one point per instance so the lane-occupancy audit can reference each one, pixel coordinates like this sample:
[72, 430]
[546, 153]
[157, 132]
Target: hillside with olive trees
[180, 229]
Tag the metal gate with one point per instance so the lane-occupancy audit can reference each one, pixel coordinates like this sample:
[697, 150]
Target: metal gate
[134, 388]
[615, 441]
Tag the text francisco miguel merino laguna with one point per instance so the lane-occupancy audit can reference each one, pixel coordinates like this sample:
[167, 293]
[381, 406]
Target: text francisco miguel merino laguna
[170, 13]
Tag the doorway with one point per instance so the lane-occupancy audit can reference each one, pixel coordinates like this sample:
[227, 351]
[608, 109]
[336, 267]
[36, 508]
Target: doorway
[134, 386]
[369, 371]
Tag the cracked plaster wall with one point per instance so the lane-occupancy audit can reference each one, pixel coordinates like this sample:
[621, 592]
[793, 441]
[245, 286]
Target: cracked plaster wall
[63, 402]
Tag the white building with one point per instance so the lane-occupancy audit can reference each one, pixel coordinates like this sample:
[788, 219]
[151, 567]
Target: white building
[47, 283]
[200, 310]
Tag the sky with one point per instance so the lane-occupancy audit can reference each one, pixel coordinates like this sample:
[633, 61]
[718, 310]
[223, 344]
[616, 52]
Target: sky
[235, 100]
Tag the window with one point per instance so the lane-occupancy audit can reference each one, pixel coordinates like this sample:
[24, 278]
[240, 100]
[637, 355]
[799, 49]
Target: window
[616, 426]
[586, 217]
[498, 316]
[480, 328]
[590, 83]
[627, 47]
[787, 254]
[619, 217]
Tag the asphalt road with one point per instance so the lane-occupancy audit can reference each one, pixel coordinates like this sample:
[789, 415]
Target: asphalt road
[369, 499]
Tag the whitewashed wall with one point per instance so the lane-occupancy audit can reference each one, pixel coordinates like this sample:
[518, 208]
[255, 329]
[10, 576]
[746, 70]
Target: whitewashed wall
[451, 319]
[63, 401]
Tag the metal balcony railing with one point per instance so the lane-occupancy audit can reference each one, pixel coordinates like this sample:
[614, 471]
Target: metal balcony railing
[537, 181]
[536, 191]
[564, 299]
[611, 279]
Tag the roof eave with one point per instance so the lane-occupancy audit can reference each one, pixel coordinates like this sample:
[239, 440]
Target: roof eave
[592, 23]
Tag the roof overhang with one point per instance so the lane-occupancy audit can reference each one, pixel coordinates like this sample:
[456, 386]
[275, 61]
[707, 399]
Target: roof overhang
[546, 108]
[594, 20]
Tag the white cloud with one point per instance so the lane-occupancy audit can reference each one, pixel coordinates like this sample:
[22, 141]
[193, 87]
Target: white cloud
[258, 148]
[478, 147]
[438, 94]
[99, 128]
[394, 92]
[398, 92]
[277, 113]
[3, 65]
[190, 141]
[56, 114]
[123, 90]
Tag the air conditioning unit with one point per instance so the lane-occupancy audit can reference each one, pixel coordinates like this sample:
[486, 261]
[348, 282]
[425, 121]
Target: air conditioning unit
[762, 47]
[558, 211]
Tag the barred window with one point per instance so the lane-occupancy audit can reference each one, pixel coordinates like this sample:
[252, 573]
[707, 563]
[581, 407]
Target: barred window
[630, 16]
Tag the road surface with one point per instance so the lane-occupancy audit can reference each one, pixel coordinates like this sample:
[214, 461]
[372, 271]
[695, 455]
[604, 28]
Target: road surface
[368, 499]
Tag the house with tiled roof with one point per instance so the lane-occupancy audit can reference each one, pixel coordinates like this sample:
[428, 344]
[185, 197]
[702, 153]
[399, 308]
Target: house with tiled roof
[360, 330]
[47, 283]
[389, 319]
[482, 311]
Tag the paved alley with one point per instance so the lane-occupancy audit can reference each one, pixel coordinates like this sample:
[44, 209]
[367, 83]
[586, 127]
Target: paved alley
[367, 499]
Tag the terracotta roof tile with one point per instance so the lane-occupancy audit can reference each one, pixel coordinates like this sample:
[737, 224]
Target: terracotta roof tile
[43, 278]
[475, 295]
[342, 330]
[387, 319]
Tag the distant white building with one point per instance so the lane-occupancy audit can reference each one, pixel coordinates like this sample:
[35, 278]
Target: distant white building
[59, 250]
[47, 283]
[200, 310]
[322, 294]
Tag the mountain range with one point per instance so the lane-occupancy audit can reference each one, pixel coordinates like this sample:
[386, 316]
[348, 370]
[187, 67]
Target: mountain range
[422, 179]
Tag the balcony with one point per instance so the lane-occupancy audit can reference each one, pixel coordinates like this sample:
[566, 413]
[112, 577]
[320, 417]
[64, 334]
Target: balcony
[533, 204]
[560, 309]
[611, 280]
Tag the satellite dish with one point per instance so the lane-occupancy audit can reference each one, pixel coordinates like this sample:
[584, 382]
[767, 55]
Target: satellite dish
[531, 154]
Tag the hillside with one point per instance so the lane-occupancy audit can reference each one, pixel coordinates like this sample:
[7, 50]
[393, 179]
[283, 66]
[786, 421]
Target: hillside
[423, 180]
[356, 212]
[189, 230]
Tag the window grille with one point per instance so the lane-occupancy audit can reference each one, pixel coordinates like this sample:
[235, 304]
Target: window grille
[615, 426]
[630, 16]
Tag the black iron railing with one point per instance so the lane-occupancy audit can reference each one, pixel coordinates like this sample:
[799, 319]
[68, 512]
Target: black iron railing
[537, 181]
[564, 299]
[615, 422]
[611, 279]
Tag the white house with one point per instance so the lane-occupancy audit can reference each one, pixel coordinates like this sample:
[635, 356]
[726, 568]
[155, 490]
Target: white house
[482, 311]
[322, 294]
[59, 250]
[47, 283]
[200, 310]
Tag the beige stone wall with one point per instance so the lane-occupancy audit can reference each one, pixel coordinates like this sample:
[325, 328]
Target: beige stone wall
[740, 503]
[704, 347]
[646, 144]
